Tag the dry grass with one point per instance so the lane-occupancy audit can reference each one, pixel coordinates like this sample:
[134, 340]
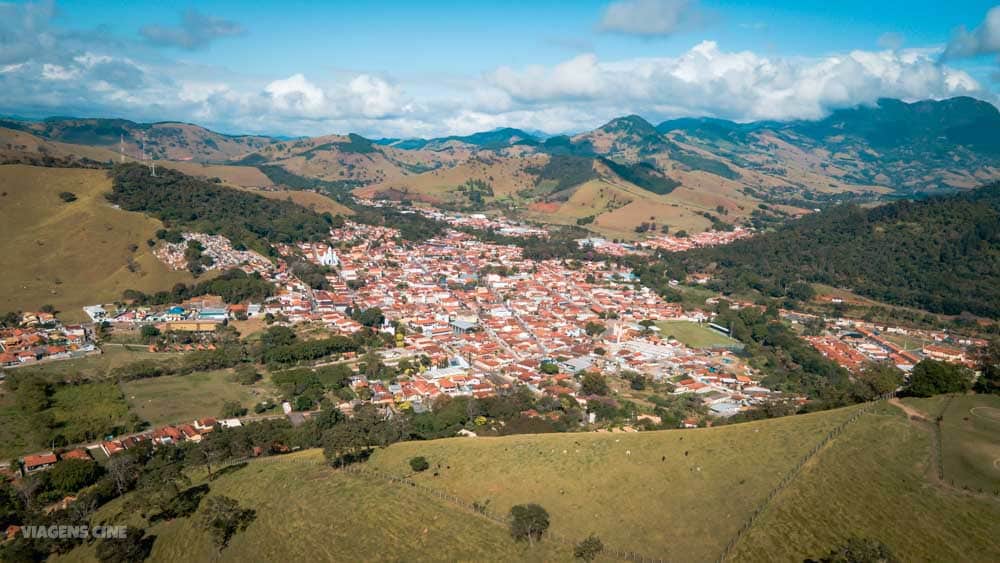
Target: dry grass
[872, 482]
[71, 254]
[240, 176]
[678, 494]
[307, 511]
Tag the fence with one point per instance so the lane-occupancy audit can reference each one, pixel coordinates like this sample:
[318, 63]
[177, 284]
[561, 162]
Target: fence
[939, 438]
[481, 510]
[790, 476]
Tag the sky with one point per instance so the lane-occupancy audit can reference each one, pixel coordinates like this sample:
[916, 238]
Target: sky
[433, 68]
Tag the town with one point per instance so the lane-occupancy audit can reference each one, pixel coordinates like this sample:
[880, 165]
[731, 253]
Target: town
[472, 319]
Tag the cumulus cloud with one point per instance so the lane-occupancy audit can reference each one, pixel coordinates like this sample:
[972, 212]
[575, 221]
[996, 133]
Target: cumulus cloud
[738, 85]
[984, 39]
[649, 17]
[45, 71]
[196, 30]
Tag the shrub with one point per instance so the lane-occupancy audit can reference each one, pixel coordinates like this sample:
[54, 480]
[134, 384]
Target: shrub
[589, 548]
[419, 464]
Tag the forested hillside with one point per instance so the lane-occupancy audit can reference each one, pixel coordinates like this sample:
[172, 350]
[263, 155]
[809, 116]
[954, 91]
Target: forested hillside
[941, 254]
[246, 219]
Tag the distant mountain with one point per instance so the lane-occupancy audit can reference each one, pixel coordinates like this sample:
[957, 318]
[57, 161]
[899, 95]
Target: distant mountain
[165, 140]
[693, 172]
[494, 139]
[908, 147]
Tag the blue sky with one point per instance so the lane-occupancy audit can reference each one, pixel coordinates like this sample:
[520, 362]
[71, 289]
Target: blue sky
[430, 68]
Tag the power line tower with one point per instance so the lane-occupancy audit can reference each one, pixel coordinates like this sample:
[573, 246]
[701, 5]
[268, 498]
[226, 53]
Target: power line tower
[152, 163]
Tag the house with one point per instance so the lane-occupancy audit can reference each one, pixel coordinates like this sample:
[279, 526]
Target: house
[111, 447]
[79, 453]
[39, 462]
[206, 423]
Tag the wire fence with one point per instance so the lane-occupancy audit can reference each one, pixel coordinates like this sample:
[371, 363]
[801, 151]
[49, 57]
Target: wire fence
[939, 437]
[793, 473]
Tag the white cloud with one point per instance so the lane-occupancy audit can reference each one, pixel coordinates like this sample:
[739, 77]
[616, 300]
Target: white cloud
[374, 97]
[45, 72]
[649, 17]
[739, 85]
[56, 72]
[982, 40]
[296, 94]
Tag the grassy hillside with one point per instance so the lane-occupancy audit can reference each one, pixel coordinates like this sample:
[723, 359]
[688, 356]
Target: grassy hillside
[873, 481]
[677, 494]
[308, 511]
[71, 254]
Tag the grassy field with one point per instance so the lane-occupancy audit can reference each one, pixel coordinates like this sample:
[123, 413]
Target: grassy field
[872, 481]
[970, 438]
[71, 254]
[307, 511]
[677, 494]
[78, 413]
[15, 428]
[183, 398]
[694, 335]
[95, 366]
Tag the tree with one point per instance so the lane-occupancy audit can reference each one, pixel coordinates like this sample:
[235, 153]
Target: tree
[931, 377]
[859, 550]
[877, 379]
[246, 374]
[135, 546]
[594, 329]
[419, 464]
[149, 332]
[123, 471]
[801, 291]
[548, 368]
[528, 522]
[989, 368]
[277, 336]
[233, 409]
[594, 384]
[68, 197]
[70, 475]
[589, 548]
[370, 317]
[224, 517]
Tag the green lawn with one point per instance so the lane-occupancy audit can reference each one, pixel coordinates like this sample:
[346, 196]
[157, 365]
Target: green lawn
[183, 398]
[307, 511]
[694, 335]
[873, 482]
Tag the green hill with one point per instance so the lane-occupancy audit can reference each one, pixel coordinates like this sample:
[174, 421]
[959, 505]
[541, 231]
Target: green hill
[941, 254]
[679, 495]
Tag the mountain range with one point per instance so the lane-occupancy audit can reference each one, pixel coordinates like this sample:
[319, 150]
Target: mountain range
[688, 173]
